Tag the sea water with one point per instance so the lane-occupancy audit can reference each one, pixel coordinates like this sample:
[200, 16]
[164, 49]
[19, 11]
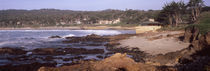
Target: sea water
[32, 39]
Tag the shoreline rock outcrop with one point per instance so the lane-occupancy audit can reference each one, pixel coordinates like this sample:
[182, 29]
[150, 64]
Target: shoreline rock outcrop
[117, 62]
[14, 51]
[63, 51]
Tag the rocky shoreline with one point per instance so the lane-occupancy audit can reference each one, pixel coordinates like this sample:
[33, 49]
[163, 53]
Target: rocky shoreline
[46, 56]
[193, 58]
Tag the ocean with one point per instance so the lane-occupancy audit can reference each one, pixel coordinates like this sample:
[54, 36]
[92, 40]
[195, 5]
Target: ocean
[29, 40]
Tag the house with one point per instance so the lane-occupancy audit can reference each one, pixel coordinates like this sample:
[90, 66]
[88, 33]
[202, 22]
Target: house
[150, 22]
[150, 25]
[109, 22]
[105, 22]
[116, 21]
[78, 22]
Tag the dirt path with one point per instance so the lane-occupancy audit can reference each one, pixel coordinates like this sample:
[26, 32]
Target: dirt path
[156, 43]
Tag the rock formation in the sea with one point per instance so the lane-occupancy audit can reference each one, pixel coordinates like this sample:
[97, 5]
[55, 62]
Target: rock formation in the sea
[55, 36]
[14, 51]
[89, 38]
[63, 51]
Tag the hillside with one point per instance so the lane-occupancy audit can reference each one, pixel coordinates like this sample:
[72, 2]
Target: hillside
[54, 17]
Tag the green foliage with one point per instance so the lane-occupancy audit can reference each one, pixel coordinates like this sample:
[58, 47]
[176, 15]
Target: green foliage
[206, 8]
[176, 28]
[195, 8]
[172, 13]
[195, 3]
[123, 25]
[118, 24]
[53, 17]
[204, 24]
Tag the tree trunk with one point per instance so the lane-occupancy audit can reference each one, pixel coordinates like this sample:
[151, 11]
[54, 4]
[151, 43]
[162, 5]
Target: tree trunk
[170, 20]
[195, 13]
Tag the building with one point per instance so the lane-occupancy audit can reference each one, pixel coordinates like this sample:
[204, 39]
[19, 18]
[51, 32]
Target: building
[148, 26]
[151, 22]
[78, 22]
[109, 22]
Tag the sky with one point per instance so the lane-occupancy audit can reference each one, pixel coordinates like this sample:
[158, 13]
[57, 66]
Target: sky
[86, 5]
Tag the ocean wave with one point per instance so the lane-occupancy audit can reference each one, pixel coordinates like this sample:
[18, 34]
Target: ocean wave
[32, 30]
[99, 32]
[69, 35]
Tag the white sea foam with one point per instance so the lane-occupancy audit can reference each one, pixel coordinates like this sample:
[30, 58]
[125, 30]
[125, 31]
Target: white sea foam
[6, 42]
[69, 35]
[32, 30]
[37, 38]
[99, 32]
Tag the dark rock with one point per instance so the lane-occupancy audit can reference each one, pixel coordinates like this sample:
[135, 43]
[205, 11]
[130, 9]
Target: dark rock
[48, 58]
[72, 40]
[166, 68]
[88, 38]
[67, 59]
[93, 36]
[21, 58]
[94, 44]
[112, 44]
[117, 62]
[14, 51]
[136, 54]
[99, 56]
[198, 64]
[83, 51]
[55, 36]
[63, 51]
[46, 51]
[26, 67]
[76, 57]
[185, 60]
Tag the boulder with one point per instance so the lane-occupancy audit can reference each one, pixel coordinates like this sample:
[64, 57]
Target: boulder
[55, 36]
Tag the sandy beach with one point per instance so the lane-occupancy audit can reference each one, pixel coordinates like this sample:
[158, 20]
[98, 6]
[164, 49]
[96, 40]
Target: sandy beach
[156, 42]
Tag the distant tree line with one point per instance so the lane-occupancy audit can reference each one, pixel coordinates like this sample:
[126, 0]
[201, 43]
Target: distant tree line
[54, 17]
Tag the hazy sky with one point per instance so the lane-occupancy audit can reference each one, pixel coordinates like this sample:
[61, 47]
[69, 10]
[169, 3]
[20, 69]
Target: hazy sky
[90, 5]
